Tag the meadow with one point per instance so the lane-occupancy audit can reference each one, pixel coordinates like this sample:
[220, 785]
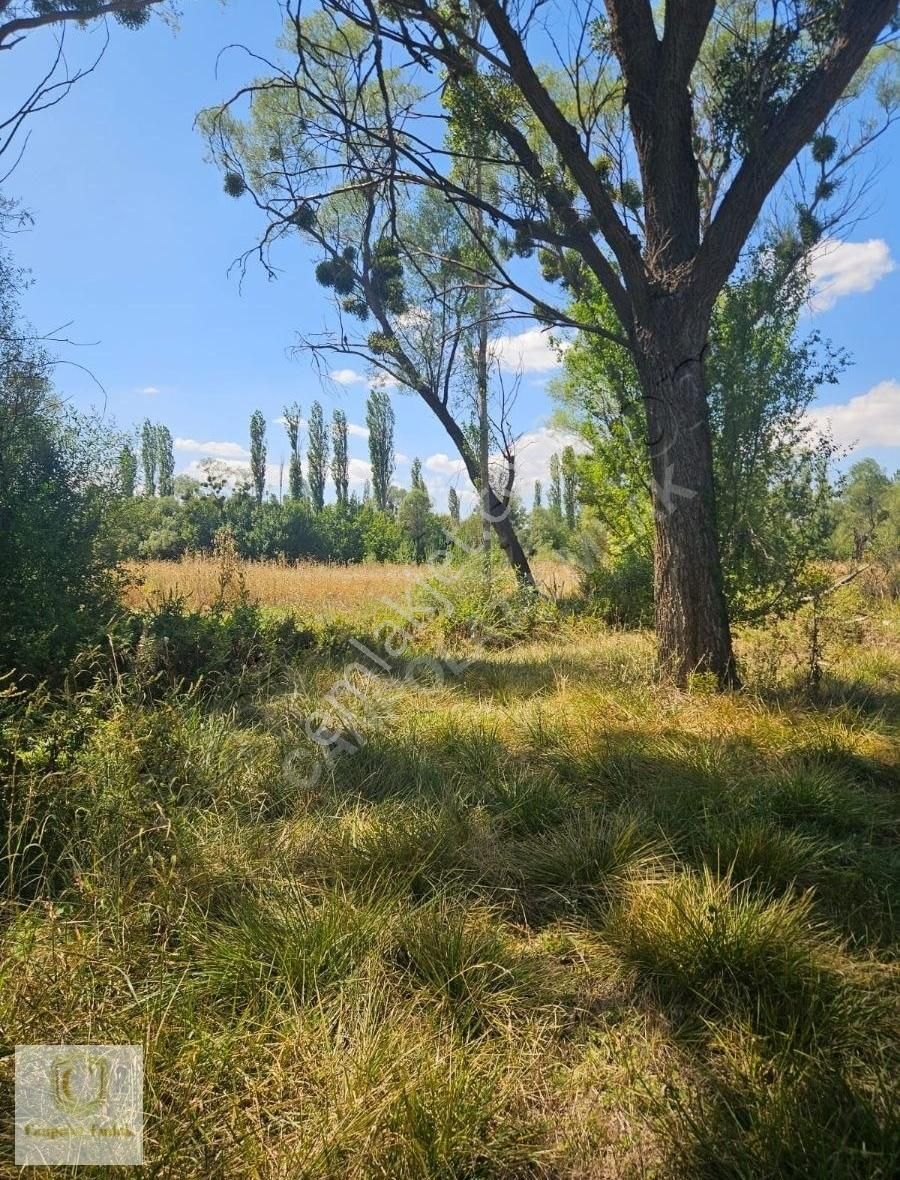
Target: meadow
[312, 587]
[538, 915]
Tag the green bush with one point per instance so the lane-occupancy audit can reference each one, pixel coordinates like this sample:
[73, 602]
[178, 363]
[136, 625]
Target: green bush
[461, 602]
[170, 643]
[620, 589]
[57, 581]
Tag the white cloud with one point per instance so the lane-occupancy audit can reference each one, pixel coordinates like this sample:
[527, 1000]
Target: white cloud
[846, 268]
[442, 464]
[233, 472]
[534, 351]
[359, 471]
[382, 380]
[356, 431]
[149, 390]
[399, 457]
[533, 451]
[871, 419]
[217, 450]
[346, 376]
[377, 380]
[237, 471]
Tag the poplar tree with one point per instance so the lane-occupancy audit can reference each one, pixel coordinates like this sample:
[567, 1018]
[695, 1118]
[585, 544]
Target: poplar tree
[128, 466]
[554, 498]
[165, 460]
[258, 455]
[295, 468]
[380, 421]
[569, 488]
[317, 457]
[340, 463]
[149, 457]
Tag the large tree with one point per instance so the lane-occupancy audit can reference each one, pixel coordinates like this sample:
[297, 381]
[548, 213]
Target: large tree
[645, 159]
[408, 267]
[58, 485]
[770, 464]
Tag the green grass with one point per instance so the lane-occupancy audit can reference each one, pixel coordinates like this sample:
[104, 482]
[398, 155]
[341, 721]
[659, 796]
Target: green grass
[550, 920]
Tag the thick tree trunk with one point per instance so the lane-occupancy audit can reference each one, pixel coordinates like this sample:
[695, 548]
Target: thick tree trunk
[692, 627]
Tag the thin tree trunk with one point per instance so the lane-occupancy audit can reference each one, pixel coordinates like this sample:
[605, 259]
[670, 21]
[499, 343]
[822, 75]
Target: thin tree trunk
[509, 540]
[495, 514]
[481, 360]
[692, 627]
[484, 443]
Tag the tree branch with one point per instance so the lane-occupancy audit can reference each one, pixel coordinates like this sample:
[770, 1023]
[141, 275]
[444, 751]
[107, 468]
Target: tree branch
[861, 23]
[25, 24]
[565, 139]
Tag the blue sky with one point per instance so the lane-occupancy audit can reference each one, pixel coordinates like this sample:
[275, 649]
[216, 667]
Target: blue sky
[133, 237]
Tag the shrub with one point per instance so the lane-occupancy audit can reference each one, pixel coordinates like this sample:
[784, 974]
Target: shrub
[620, 588]
[458, 602]
[57, 581]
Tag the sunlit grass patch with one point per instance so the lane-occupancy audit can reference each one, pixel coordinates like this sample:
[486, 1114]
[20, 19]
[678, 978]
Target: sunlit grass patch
[547, 918]
[283, 944]
[711, 946]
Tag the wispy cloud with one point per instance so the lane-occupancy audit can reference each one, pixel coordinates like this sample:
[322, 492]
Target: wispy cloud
[847, 268]
[870, 419]
[212, 448]
[149, 390]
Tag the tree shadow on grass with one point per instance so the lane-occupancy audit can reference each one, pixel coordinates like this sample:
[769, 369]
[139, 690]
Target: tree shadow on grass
[506, 678]
[559, 828]
[879, 706]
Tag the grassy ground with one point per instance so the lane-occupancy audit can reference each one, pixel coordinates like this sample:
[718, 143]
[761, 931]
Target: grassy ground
[543, 918]
[307, 586]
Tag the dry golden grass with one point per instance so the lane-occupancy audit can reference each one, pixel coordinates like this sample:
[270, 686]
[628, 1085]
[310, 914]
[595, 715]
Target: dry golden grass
[308, 586]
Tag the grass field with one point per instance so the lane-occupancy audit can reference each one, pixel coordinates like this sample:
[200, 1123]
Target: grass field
[540, 918]
[309, 587]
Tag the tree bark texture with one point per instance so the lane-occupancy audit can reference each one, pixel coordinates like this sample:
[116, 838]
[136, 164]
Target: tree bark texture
[693, 632]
